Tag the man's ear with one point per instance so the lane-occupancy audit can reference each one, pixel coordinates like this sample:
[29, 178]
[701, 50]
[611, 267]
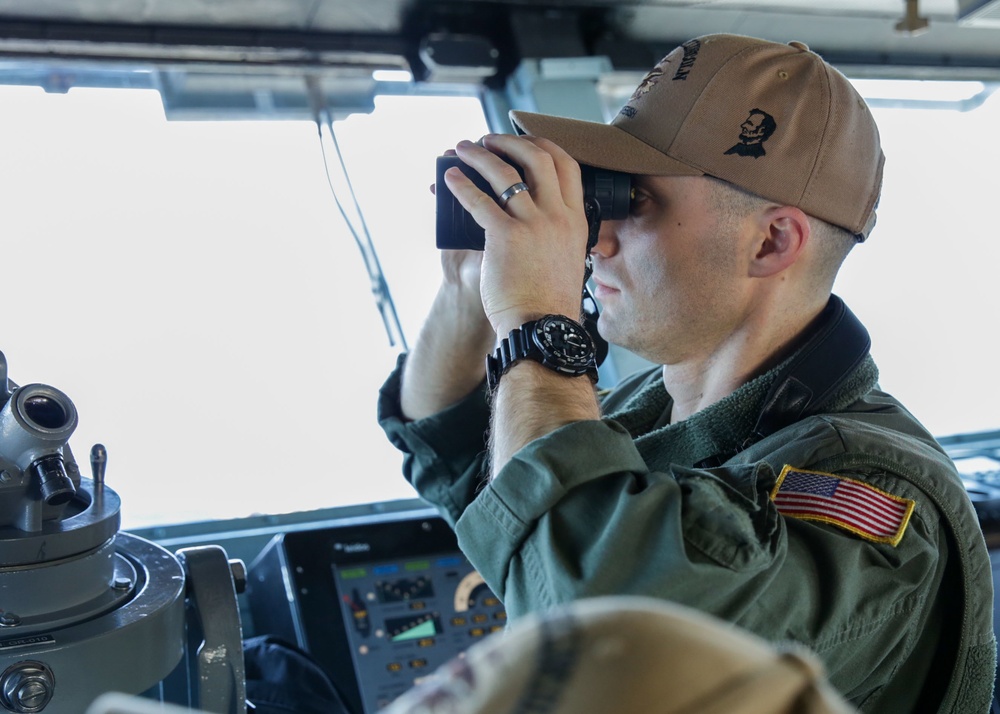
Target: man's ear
[783, 232]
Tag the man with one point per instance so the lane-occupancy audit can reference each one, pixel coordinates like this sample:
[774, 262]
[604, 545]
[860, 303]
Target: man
[758, 473]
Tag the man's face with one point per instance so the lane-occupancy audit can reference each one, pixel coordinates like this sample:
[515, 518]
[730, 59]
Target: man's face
[668, 277]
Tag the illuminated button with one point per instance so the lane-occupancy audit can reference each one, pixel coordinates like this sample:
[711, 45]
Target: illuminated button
[501, 615]
[418, 663]
[496, 628]
[426, 642]
[458, 621]
[477, 632]
[480, 618]
[419, 605]
[394, 666]
[491, 602]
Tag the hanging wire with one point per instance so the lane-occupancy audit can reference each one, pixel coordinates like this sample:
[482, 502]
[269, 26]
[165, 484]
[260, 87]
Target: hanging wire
[363, 239]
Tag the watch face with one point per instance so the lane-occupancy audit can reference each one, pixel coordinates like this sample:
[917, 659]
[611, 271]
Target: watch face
[565, 344]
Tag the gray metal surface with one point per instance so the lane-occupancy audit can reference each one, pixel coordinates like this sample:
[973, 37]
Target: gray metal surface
[128, 648]
[214, 629]
[332, 32]
[91, 519]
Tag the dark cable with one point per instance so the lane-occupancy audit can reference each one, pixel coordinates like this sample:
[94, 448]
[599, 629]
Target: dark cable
[379, 285]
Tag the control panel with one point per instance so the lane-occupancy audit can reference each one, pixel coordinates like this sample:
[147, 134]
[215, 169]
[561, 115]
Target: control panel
[408, 617]
[380, 604]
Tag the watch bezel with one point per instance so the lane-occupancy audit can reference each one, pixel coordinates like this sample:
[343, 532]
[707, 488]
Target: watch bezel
[577, 361]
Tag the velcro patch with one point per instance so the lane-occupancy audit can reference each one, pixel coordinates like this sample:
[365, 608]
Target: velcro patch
[852, 505]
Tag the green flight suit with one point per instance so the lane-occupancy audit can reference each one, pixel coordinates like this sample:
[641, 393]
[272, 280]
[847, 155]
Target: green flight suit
[618, 506]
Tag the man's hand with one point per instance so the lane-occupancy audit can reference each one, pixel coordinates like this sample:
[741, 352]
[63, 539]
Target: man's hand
[536, 243]
[533, 265]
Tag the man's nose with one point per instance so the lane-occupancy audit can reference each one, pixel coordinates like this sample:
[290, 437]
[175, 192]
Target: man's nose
[607, 239]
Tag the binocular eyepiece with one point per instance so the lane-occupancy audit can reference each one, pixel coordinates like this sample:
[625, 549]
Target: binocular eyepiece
[458, 230]
[35, 423]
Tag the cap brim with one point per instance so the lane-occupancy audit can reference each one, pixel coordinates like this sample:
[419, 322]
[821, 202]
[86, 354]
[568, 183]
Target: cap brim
[602, 145]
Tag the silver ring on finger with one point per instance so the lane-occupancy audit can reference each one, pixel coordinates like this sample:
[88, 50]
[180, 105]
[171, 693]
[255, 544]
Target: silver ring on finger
[511, 192]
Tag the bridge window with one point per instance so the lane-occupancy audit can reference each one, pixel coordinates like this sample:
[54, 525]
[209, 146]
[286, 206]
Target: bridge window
[193, 288]
[925, 282]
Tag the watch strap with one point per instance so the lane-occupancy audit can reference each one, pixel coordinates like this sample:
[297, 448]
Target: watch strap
[515, 346]
[520, 344]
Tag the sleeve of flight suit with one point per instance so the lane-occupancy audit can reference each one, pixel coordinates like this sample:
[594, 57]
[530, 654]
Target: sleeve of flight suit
[444, 455]
[578, 514]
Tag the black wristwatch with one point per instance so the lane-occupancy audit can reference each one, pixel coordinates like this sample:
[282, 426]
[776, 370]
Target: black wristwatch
[555, 341]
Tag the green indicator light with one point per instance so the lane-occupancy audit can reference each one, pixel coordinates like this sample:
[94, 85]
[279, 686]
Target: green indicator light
[353, 573]
[418, 565]
[426, 629]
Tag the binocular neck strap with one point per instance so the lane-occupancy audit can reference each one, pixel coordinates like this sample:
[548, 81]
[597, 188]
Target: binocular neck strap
[589, 306]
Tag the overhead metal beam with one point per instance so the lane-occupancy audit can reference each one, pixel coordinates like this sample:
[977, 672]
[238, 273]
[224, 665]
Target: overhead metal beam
[206, 45]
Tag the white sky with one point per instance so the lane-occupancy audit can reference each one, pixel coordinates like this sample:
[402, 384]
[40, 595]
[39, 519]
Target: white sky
[926, 282]
[191, 287]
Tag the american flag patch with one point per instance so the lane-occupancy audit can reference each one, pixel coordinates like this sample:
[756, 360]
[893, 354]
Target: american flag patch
[852, 505]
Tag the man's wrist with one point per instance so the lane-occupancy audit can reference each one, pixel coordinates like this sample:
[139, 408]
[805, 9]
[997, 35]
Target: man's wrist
[557, 342]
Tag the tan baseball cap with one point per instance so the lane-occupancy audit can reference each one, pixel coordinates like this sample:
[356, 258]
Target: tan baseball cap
[774, 119]
[627, 655]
